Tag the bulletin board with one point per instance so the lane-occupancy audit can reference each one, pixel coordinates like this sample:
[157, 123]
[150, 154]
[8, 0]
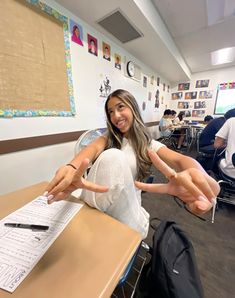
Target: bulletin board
[35, 67]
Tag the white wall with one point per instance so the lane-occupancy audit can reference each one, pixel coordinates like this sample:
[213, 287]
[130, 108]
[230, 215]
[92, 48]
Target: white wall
[216, 77]
[27, 167]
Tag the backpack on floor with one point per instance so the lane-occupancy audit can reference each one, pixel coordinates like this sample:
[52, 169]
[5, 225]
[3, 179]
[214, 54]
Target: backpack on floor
[172, 270]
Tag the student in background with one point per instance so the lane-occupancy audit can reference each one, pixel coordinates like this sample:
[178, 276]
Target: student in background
[207, 119]
[165, 124]
[207, 138]
[181, 132]
[173, 115]
[225, 138]
[122, 155]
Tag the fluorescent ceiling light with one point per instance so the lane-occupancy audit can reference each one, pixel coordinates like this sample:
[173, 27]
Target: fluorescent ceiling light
[223, 56]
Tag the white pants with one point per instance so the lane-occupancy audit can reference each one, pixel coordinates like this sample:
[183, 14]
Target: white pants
[123, 200]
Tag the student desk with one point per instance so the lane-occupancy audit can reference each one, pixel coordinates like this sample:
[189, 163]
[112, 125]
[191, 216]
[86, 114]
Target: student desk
[85, 261]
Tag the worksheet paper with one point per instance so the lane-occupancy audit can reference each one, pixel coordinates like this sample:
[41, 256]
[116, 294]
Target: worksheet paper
[21, 249]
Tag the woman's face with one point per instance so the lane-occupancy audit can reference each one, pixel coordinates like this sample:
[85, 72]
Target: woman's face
[77, 32]
[120, 115]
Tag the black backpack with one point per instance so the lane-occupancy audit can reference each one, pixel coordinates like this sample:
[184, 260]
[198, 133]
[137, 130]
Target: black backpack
[172, 270]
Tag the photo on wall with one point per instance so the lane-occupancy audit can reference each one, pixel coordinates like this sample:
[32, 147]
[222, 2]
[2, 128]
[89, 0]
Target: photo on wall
[199, 105]
[183, 105]
[187, 113]
[191, 95]
[202, 83]
[144, 81]
[76, 33]
[118, 61]
[183, 86]
[92, 45]
[198, 113]
[106, 51]
[176, 95]
[205, 94]
[158, 81]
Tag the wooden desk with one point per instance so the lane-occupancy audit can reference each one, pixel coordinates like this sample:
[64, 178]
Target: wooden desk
[85, 261]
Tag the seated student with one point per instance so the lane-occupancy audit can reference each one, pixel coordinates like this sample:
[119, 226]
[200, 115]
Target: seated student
[165, 124]
[173, 115]
[179, 120]
[125, 153]
[207, 138]
[225, 138]
[181, 132]
[207, 119]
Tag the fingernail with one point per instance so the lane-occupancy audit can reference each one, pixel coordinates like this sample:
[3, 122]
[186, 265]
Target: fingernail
[201, 198]
[50, 197]
[214, 201]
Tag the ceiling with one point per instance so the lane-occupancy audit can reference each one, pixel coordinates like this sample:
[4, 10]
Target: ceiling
[178, 36]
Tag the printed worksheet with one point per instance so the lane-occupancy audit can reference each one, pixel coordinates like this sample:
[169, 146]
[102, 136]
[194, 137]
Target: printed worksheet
[21, 249]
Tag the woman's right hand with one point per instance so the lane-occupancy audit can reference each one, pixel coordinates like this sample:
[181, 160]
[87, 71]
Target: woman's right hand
[67, 179]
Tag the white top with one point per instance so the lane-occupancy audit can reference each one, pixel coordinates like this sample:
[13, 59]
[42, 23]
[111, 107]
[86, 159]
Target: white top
[163, 123]
[227, 132]
[130, 154]
[117, 169]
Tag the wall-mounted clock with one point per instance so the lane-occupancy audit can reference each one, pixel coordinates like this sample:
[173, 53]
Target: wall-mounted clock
[130, 68]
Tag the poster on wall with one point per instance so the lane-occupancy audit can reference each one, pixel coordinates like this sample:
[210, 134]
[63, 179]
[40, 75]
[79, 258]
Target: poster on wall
[199, 105]
[105, 87]
[106, 51]
[183, 86]
[183, 105]
[205, 94]
[177, 95]
[191, 95]
[198, 113]
[92, 45]
[76, 33]
[202, 83]
[118, 61]
[156, 104]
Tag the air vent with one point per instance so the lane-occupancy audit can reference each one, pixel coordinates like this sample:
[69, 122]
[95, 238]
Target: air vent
[118, 25]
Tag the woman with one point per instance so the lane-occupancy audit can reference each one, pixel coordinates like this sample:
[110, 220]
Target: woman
[76, 35]
[129, 153]
[181, 132]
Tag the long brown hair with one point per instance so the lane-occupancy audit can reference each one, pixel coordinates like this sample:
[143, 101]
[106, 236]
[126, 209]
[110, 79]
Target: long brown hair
[138, 135]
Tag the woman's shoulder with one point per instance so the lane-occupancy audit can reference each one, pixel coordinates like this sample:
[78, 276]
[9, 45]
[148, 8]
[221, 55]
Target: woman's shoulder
[155, 145]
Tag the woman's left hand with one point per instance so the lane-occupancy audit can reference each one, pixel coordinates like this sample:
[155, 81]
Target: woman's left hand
[193, 186]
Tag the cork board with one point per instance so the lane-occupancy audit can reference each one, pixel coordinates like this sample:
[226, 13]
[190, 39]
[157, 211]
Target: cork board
[35, 68]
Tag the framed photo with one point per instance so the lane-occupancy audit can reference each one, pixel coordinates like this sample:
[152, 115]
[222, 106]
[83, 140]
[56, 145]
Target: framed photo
[76, 33]
[144, 81]
[183, 105]
[191, 95]
[177, 95]
[118, 61]
[199, 105]
[106, 51]
[92, 45]
[202, 83]
[183, 86]
[198, 113]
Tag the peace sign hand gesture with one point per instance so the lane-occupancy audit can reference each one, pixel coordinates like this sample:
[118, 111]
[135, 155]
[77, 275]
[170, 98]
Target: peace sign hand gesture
[193, 186]
[68, 179]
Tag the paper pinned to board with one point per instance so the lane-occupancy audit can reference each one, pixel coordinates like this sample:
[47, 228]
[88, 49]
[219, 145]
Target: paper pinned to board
[21, 249]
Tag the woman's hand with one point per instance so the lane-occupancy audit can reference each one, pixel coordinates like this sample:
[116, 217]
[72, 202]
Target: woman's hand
[193, 186]
[67, 179]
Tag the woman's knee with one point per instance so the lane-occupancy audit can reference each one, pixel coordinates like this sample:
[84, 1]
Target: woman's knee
[112, 156]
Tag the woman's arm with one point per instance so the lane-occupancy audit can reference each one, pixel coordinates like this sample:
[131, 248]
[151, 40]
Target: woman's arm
[187, 180]
[178, 161]
[69, 178]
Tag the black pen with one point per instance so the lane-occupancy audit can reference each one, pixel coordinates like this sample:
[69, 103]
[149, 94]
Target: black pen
[26, 226]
